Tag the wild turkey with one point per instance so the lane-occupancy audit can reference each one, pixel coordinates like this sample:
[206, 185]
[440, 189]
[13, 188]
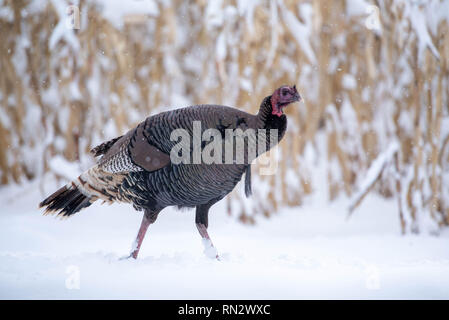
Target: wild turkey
[139, 167]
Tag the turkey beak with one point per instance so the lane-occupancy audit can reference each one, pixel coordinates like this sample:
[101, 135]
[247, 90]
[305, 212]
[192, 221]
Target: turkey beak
[297, 96]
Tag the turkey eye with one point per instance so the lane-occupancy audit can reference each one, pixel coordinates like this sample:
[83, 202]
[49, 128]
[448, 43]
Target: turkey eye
[284, 92]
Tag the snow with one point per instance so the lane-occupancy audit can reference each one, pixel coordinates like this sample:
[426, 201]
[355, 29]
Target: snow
[373, 173]
[312, 251]
[300, 31]
[246, 9]
[116, 12]
[349, 81]
[357, 7]
[418, 22]
[364, 8]
[64, 168]
[306, 252]
[214, 14]
[209, 250]
[62, 31]
[6, 13]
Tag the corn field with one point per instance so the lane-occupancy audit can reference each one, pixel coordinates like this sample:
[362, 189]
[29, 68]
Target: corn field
[374, 77]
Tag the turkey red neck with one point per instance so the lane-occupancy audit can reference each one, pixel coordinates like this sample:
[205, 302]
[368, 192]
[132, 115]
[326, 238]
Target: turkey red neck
[267, 118]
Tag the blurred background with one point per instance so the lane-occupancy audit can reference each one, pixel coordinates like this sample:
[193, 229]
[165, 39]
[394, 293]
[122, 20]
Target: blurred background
[374, 76]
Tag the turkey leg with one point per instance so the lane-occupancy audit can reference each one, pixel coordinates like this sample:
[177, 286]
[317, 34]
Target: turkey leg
[201, 220]
[149, 217]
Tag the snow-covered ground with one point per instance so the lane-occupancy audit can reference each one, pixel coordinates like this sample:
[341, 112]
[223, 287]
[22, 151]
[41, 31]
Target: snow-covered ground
[307, 252]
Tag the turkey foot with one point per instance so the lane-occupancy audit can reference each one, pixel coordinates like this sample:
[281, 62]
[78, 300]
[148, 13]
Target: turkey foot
[209, 249]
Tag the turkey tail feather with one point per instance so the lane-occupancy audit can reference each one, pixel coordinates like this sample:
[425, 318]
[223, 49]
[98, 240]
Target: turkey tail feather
[66, 201]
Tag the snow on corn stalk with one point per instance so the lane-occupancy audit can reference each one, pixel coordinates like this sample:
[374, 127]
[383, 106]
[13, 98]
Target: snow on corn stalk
[370, 72]
[373, 174]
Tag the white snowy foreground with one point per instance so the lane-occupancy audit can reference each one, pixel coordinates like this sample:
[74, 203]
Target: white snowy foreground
[308, 252]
